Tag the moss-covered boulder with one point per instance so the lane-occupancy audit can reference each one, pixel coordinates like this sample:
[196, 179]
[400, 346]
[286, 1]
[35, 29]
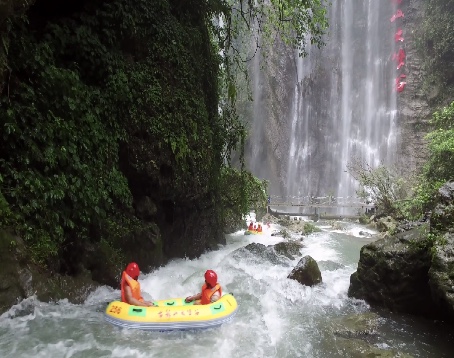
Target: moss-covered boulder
[290, 248]
[442, 218]
[306, 272]
[393, 272]
[441, 276]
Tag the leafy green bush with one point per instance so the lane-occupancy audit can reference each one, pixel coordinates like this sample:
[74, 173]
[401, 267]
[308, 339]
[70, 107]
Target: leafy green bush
[241, 193]
[380, 185]
[310, 228]
[439, 168]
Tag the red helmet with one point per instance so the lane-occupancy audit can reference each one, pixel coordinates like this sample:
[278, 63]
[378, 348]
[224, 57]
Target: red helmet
[133, 270]
[211, 278]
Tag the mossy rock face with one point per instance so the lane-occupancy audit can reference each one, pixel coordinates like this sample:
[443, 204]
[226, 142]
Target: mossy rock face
[11, 290]
[19, 278]
[393, 272]
[441, 276]
[442, 218]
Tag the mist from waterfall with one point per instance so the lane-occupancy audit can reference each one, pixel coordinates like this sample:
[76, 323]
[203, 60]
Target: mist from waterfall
[344, 103]
[341, 105]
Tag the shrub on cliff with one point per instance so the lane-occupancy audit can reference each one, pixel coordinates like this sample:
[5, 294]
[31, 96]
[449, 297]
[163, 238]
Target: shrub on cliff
[439, 168]
[381, 186]
[241, 193]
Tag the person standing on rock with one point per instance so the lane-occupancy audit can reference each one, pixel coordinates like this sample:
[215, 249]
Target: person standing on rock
[130, 287]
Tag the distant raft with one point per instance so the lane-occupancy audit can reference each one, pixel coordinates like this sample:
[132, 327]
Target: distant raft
[172, 314]
[253, 232]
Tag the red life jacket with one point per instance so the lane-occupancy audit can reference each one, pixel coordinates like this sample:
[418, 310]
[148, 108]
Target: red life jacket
[133, 284]
[208, 292]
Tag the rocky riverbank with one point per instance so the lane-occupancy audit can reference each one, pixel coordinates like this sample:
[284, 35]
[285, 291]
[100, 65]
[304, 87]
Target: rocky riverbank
[412, 270]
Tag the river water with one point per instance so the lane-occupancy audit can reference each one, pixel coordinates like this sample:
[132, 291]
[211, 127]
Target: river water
[277, 317]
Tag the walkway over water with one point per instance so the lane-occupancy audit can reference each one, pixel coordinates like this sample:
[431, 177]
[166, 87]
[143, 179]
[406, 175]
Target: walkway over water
[313, 206]
[320, 202]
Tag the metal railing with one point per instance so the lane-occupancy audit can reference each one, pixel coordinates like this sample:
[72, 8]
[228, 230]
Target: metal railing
[319, 201]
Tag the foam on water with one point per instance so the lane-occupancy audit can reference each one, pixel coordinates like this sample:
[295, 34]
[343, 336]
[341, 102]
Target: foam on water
[277, 317]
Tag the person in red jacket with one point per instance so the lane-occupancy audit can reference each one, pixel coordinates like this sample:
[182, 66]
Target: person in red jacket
[211, 290]
[130, 287]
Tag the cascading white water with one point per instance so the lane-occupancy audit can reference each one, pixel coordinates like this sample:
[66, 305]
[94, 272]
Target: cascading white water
[277, 317]
[312, 116]
[344, 103]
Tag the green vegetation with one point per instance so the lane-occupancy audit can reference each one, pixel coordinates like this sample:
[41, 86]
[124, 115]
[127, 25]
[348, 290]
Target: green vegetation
[381, 186]
[309, 228]
[237, 203]
[436, 45]
[438, 168]
[409, 199]
[104, 103]
[412, 198]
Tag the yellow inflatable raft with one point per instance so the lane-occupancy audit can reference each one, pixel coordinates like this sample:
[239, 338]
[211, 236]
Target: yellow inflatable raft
[172, 314]
[253, 232]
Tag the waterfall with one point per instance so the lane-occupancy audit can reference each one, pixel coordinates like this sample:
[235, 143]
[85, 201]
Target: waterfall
[340, 106]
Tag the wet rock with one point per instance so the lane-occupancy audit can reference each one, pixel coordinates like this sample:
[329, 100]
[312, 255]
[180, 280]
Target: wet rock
[413, 270]
[283, 233]
[306, 272]
[409, 225]
[258, 253]
[358, 348]
[299, 226]
[339, 225]
[146, 208]
[386, 224]
[290, 249]
[11, 291]
[357, 326]
[393, 272]
[442, 218]
[330, 265]
[20, 279]
[357, 335]
[441, 276]
[269, 219]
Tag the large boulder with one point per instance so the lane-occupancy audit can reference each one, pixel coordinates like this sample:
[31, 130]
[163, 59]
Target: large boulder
[290, 249]
[441, 273]
[394, 272]
[306, 272]
[442, 218]
[441, 276]
[412, 271]
[257, 253]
